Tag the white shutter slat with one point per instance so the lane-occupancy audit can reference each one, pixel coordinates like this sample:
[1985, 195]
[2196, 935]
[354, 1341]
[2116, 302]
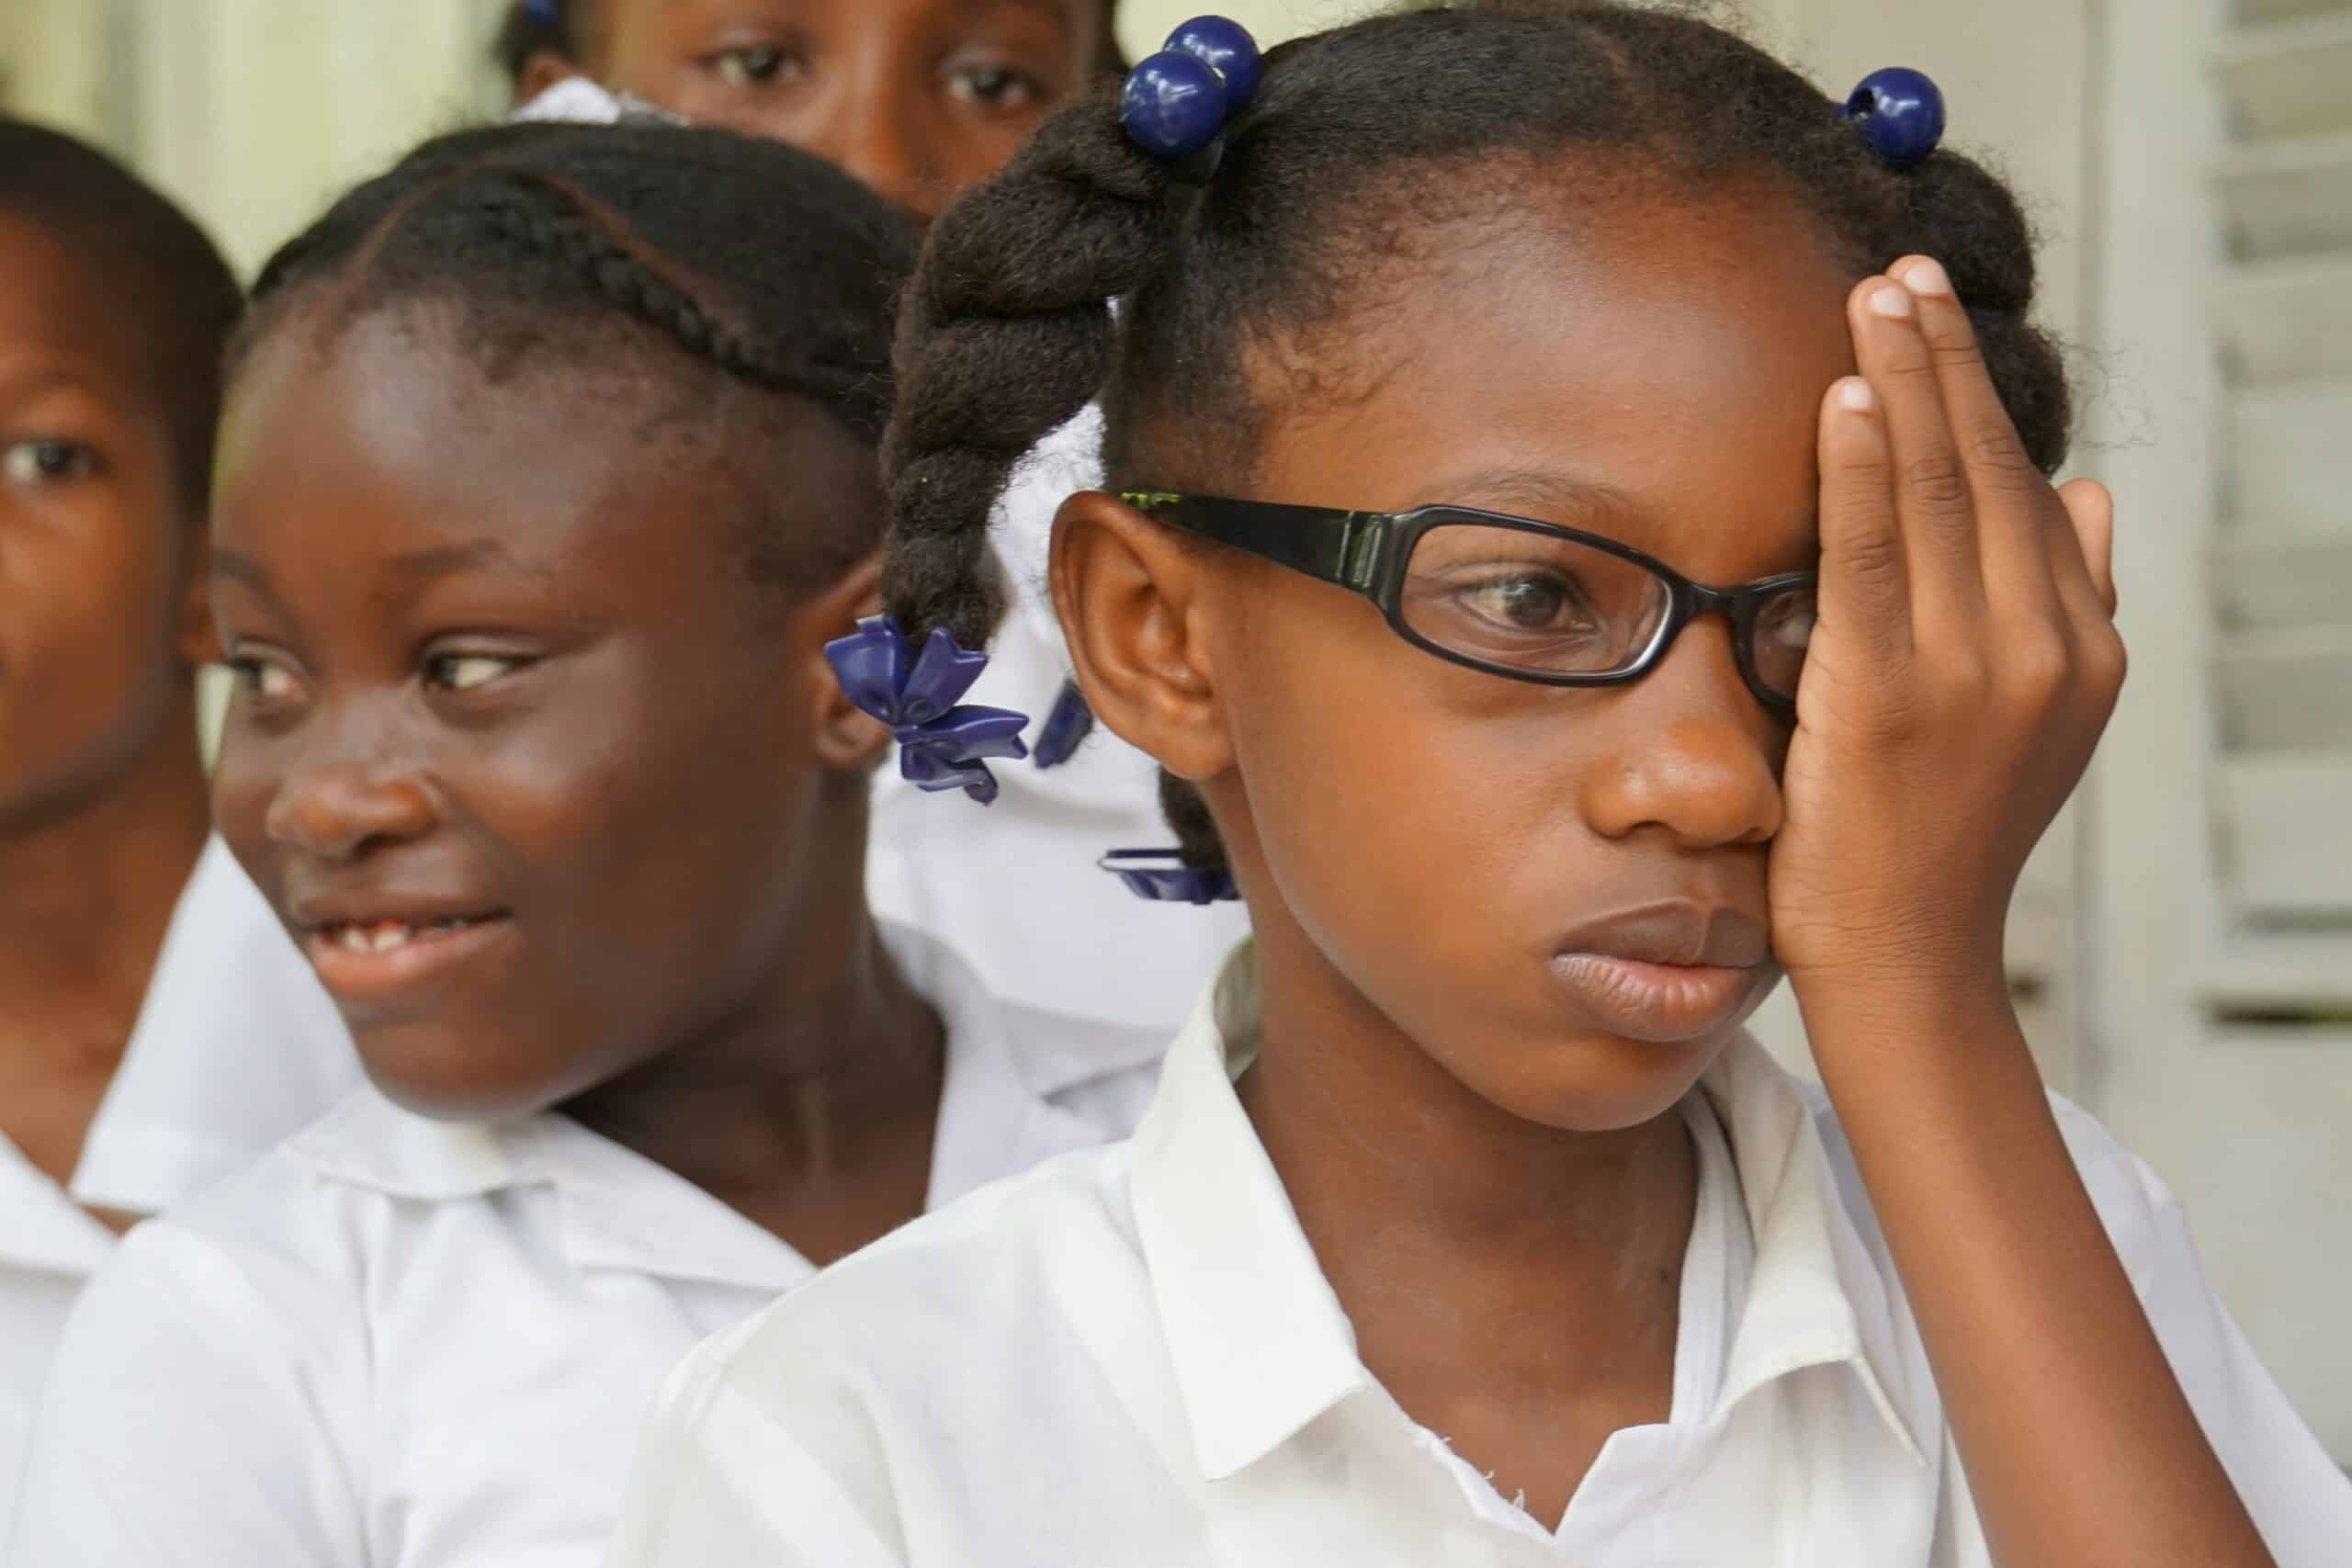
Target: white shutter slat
[2286, 690]
[2275, 579]
[2284, 10]
[2290, 458]
[2287, 320]
[2288, 838]
[2286, 78]
[2286, 197]
[2280, 970]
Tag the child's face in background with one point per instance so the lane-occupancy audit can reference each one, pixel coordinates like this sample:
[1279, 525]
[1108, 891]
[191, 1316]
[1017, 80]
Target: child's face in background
[1460, 855]
[918, 98]
[500, 665]
[101, 607]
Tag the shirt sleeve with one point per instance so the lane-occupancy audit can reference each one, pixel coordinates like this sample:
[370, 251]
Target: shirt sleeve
[2300, 1500]
[189, 1418]
[719, 1478]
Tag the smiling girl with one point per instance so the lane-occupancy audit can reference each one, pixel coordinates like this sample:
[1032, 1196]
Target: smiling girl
[540, 494]
[1582, 546]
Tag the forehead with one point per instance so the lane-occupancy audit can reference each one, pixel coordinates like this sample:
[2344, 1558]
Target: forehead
[621, 18]
[54, 306]
[1673, 350]
[395, 417]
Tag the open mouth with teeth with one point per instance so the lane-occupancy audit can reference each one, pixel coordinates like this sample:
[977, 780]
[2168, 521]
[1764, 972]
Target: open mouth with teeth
[385, 936]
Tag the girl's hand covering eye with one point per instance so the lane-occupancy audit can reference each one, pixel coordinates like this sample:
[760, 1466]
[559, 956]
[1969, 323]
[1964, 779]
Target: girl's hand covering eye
[1962, 667]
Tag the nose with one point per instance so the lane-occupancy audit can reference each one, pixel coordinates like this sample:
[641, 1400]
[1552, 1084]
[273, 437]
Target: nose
[342, 810]
[1695, 755]
[877, 137]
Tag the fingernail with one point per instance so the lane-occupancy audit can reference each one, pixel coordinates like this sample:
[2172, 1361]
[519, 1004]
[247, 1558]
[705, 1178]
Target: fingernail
[1926, 275]
[1855, 393]
[1892, 302]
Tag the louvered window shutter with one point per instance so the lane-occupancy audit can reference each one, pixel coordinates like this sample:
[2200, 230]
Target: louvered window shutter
[2280, 790]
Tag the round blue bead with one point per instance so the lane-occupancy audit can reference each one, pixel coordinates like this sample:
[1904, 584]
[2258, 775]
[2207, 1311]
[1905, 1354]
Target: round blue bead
[1225, 47]
[1900, 113]
[1173, 104]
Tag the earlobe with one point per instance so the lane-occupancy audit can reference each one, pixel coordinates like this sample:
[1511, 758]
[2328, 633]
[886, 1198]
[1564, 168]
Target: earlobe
[844, 737]
[1130, 597]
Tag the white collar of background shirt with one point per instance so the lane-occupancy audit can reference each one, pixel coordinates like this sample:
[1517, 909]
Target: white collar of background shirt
[1261, 1347]
[1013, 1077]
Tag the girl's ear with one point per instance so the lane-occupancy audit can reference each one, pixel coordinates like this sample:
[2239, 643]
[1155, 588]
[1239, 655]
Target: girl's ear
[1129, 595]
[197, 640]
[843, 737]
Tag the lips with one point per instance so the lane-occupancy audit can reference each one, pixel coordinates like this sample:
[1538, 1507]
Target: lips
[381, 948]
[1666, 973]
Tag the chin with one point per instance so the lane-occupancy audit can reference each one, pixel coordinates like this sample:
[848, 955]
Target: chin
[1602, 1083]
[449, 1073]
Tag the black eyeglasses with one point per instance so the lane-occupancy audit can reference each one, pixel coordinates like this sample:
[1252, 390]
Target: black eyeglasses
[1525, 599]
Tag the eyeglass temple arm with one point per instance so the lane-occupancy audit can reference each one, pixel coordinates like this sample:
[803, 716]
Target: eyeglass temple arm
[1337, 546]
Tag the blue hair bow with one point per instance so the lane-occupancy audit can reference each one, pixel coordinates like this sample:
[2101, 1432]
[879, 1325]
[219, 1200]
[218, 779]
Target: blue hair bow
[941, 746]
[1162, 876]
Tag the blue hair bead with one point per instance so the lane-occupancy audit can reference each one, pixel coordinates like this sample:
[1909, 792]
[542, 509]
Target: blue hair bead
[1225, 47]
[544, 12]
[1900, 113]
[1173, 104]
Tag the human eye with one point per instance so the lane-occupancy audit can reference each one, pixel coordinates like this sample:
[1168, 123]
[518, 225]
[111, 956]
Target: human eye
[467, 671]
[1526, 597]
[993, 84]
[263, 679]
[46, 460]
[750, 66]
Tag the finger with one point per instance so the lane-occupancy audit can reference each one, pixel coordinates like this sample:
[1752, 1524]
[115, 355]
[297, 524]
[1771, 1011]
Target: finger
[2012, 505]
[1865, 592]
[1931, 497]
[2086, 553]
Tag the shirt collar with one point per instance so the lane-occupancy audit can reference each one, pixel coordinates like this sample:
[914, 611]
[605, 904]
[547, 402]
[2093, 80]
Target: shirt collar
[622, 1211]
[41, 1230]
[1261, 1347]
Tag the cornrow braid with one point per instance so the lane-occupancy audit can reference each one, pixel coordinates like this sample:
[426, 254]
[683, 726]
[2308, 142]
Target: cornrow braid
[759, 264]
[1355, 137]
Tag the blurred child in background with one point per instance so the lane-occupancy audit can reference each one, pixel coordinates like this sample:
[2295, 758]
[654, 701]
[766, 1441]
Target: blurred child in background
[113, 312]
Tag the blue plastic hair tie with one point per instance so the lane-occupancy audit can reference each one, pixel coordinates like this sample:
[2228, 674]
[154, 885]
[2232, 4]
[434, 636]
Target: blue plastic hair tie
[1900, 113]
[1177, 102]
[1068, 722]
[1162, 876]
[941, 746]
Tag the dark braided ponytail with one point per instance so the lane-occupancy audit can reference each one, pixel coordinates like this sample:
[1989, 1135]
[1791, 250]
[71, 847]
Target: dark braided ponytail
[1355, 138]
[743, 260]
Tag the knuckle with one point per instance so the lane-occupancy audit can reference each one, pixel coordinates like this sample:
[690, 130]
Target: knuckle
[1954, 350]
[1872, 553]
[2037, 664]
[1938, 482]
[1993, 450]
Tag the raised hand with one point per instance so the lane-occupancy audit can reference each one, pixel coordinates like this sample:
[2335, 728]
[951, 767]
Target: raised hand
[1963, 664]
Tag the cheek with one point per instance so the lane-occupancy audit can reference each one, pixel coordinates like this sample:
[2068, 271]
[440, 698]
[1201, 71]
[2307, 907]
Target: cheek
[1381, 778]
[88, 623]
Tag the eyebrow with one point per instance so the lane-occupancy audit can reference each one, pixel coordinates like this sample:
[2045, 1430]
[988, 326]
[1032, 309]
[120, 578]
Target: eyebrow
[1503, 488]
[473, 555]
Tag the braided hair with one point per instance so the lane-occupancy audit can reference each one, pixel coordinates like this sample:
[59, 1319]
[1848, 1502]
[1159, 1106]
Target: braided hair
[738, 261]
[157, 266]
[1355, 137]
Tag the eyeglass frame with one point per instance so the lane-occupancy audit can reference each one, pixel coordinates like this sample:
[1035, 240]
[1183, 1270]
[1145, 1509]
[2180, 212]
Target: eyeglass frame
[1367, 553]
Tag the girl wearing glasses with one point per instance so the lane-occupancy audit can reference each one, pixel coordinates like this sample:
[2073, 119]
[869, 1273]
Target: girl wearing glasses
[1581, 549]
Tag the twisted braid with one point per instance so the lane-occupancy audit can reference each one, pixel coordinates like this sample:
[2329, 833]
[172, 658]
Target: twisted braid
[1355, 138]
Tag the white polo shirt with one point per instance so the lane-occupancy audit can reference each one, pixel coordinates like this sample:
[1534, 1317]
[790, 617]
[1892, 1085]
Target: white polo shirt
[399, 1343]
[237, 1046]
[1129, 1355]
[47, 1249]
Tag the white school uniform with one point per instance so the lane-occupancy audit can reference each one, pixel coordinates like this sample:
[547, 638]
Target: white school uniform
[399, 1343]
[237, 1046]
[48, 1247]
[1013, 886]
[1130, 1356]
